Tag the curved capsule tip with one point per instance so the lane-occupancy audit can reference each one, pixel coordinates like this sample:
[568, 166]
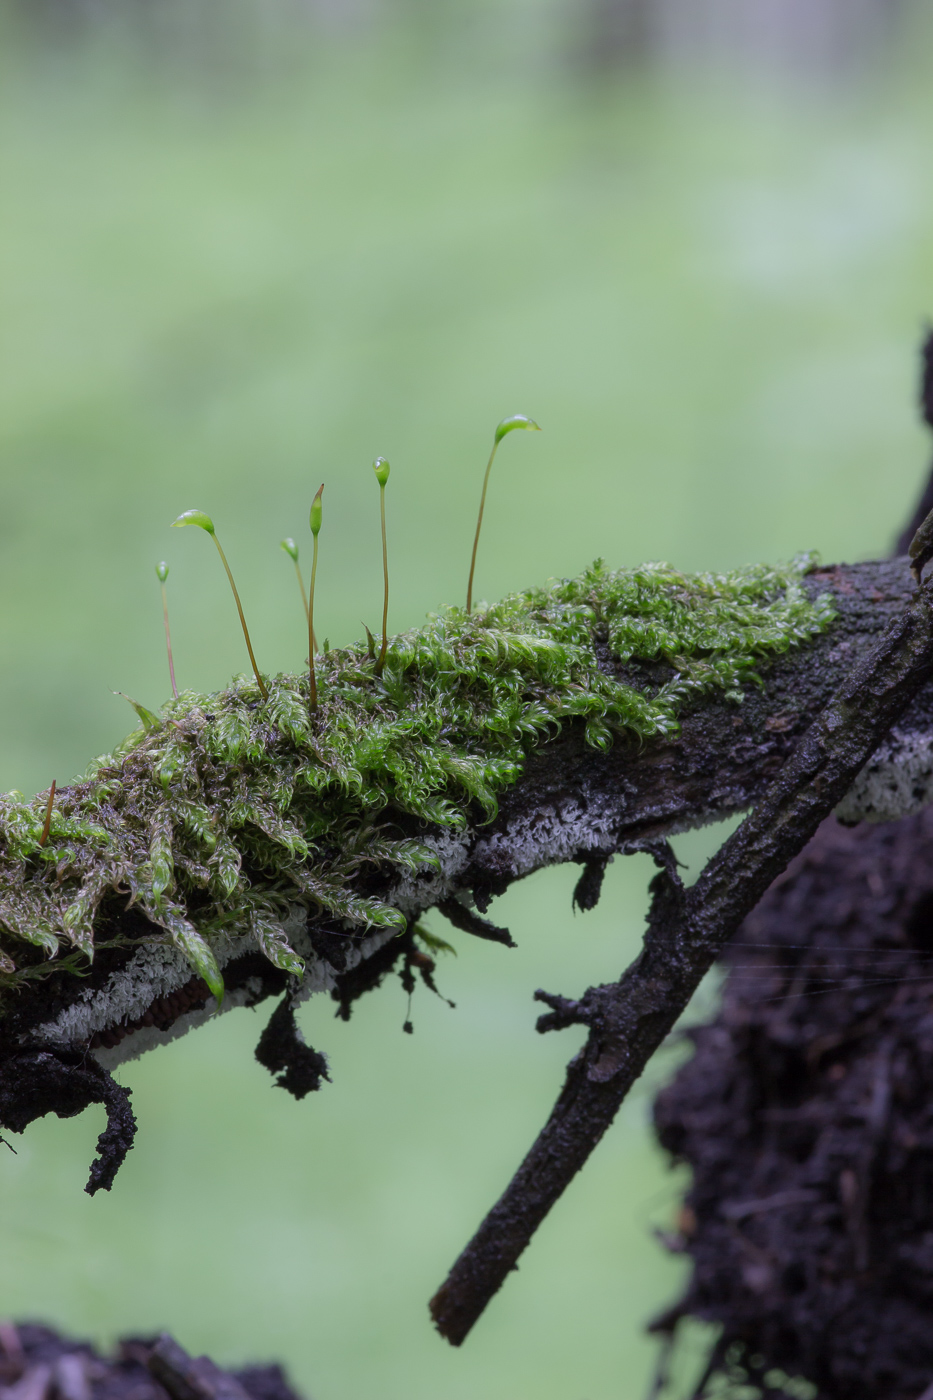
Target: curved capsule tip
[517, 420]
[195, 517]
[382, 469]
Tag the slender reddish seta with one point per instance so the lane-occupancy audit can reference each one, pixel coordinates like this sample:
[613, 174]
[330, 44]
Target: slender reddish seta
[48, 815]
[315, 519]
[204, 522]
[381, 468]
[291, 549]
[508, 425]
[162, 575]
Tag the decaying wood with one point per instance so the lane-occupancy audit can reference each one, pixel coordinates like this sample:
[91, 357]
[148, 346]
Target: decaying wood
[37, 1363]
[805, 1118]
[687, 930]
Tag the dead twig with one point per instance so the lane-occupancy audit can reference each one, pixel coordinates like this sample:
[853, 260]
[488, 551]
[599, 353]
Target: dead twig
[687, 929]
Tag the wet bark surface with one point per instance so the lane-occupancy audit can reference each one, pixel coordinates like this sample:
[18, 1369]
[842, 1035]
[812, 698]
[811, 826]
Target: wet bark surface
[37, 1363]
[806, 1116]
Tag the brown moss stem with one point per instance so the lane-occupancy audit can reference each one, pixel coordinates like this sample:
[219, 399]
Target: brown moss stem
[239, 607]
[47, 827]
[312, 678]
[168, 643]
[479, 522]
[385, 575]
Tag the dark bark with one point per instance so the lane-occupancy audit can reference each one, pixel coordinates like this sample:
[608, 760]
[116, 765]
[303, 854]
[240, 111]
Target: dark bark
[805, 1117]
[282, 1047]
[467, 922]
[38, 1082]
[589, 887]
[186, 1377]
[687, 929]
[41, 1364]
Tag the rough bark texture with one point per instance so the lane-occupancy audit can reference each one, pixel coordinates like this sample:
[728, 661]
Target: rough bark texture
[37, 1363]
[282, 1047]
[37, 1082]
[805, 1116]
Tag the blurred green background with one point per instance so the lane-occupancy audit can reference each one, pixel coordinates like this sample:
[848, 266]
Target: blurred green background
[246, 247]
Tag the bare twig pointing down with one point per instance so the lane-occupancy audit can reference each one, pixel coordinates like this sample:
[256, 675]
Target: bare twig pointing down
[687, 929]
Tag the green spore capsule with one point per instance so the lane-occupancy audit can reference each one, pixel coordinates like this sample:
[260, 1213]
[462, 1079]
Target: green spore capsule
[315, 520]
[162, 575]
[316, 516]
[381, 468]
[508, 425]
[517, 420]
[198, 517]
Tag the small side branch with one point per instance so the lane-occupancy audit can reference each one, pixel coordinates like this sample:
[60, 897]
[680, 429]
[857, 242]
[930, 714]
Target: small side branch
[687, 929]
[466, 921]
[41, 1082]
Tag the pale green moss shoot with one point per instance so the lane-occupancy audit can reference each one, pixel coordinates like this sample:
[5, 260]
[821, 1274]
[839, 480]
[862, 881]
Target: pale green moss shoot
[226, 810]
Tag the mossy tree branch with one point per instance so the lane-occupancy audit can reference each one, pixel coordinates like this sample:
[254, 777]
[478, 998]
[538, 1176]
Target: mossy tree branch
[646, 737]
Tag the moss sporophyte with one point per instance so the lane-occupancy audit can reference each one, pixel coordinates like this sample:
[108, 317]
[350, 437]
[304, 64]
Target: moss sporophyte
[162, 575]
[508, 425]
[381, 468]
[315, 520]
[225, 811]
[204, 522]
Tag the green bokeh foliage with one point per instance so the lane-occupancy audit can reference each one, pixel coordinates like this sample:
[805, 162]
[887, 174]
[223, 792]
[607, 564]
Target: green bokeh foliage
[226, 290]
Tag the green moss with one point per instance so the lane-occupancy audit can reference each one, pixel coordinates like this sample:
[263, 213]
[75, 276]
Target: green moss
[233, 808]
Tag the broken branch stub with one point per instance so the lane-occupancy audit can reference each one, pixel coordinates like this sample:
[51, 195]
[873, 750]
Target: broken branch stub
[40, 1082]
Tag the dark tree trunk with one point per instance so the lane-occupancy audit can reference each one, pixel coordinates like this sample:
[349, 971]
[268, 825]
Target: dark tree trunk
[806, 1117]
